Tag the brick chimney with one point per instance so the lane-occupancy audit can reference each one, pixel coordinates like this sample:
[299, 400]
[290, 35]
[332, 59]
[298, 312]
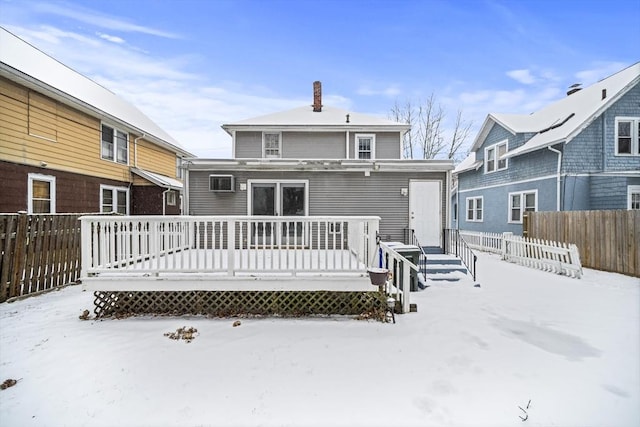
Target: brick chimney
[317, 96]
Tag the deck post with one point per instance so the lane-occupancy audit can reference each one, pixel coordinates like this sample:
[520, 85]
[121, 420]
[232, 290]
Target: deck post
[85, 251]
[372, 233]
[406, 288]
[231, 246]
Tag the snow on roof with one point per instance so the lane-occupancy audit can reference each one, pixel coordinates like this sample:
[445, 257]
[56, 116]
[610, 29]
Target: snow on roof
[468, 163]
[35, 64]
[158, 179]
[563, 119]
[328, 117]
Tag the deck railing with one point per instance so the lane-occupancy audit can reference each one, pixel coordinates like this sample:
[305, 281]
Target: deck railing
[401, 269]
[154, 245]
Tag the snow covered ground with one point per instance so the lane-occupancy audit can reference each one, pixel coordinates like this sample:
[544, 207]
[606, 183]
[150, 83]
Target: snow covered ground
[470, 356]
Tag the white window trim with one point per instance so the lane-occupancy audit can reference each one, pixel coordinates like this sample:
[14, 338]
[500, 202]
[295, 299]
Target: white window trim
[522, 195]
[171, 198]
[179, 169]
[475, 209]
[264, 154]
[635, 139]
[278, 183]
[114, 190]
[39, 177]
[373, 144]
[115, 145]
[631, 189]
[495, 146]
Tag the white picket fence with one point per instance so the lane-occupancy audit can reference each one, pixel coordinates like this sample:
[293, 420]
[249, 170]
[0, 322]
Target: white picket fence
[559, 258]
[486, 242]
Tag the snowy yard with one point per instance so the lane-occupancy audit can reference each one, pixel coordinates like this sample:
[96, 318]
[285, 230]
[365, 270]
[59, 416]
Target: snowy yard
[470, 356]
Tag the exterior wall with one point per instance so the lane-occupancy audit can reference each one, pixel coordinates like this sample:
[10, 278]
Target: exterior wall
[496, 205]
[148, 200]
[610, 192]
[313, 145]
[330, 193]
[75, 193]
[627, 106]
[34, 128]
[585, 152]
[317, 145]
[576, 193]
[154, 158]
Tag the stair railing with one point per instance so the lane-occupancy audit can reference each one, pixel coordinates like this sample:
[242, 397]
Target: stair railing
[411, 239]
[454, 244]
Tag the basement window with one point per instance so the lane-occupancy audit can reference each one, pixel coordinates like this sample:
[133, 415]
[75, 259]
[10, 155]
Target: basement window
[221, 183]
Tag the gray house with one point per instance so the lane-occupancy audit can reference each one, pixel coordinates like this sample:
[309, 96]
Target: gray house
[579, 153]
[323, 161]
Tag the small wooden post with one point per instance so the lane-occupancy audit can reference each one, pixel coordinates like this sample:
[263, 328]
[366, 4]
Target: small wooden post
[19, 255]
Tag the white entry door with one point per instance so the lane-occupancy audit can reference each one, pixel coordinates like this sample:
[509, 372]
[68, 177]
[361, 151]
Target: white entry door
[425, 211]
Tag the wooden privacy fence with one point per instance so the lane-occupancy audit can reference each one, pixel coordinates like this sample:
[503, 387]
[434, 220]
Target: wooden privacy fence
[37, 252]
[607, 240]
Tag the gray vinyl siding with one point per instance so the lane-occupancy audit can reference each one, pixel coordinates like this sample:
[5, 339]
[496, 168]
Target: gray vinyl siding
[585, 152]
[610, 192]
[313, 145]
[627, 106]
[330, 193]
[248, 145]
[317, 145]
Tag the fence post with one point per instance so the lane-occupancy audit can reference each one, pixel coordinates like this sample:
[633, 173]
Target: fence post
[505, 236]
[525, 224]
[19, 255]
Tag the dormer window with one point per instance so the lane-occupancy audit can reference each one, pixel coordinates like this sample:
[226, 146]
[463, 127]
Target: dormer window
[492, 157]
[365, 145]
[271, 145]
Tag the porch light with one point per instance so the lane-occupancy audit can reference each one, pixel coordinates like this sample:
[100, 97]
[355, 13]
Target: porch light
[404, 191]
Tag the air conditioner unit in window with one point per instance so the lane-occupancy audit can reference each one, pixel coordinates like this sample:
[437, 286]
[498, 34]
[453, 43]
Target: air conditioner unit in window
[221, 183]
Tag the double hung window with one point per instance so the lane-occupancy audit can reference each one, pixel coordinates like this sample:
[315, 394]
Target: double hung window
[633, 197]
[41, 194]
[627, 136]
[492, 157]
[114, 145]
[271, 148]
[114, 199]
[474, 209]
[520, 203]
[365, 145]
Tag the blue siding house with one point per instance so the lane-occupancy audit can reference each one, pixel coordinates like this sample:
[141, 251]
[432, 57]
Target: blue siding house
[579, 153]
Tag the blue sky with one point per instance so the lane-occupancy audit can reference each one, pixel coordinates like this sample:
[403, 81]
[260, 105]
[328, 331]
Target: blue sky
[193, 65]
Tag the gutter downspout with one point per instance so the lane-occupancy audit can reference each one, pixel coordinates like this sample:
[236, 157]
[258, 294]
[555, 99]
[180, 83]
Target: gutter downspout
[164, 201]
[135, 149]
[559, 153]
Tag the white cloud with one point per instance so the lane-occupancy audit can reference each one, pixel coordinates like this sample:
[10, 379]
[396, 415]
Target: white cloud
[599, 71]
[113, 39]
[389, 91]
[99, 20]
[522, 76]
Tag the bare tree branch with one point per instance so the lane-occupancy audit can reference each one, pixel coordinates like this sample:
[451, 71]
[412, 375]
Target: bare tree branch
[427, 136]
